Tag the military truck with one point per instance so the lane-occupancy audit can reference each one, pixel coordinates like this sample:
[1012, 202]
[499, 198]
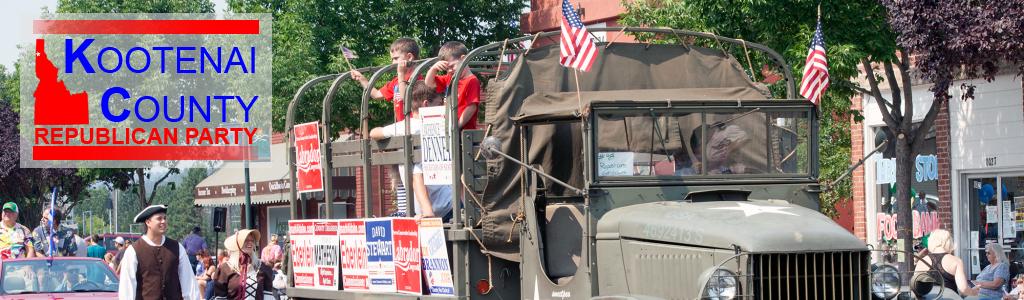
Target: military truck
[665, 172]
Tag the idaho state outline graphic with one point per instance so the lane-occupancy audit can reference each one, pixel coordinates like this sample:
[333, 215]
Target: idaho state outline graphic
[54, 104]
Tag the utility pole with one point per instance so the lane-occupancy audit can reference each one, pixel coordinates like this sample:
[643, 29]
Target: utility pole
[117, 193]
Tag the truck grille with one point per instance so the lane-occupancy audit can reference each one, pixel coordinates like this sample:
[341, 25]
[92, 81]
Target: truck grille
[830, 275]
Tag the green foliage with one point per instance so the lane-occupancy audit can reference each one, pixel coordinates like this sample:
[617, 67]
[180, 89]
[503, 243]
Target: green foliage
[10, 93]
[308, 35]
[181, 209]
[853, 30]
[134, 6]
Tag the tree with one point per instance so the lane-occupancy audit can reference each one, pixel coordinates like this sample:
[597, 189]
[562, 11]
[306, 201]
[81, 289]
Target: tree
[134, 178]
[949, 40]
[308, 35]
[852, 29]
[31, 187]
[181, 205]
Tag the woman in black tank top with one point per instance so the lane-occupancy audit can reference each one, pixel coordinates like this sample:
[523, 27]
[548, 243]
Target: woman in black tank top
[948, 279]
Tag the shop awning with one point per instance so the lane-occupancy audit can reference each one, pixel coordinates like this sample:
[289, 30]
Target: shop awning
[269, 182]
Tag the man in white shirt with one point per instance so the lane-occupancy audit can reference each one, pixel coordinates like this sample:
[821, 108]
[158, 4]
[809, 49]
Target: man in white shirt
[436, 197]
[156, 267]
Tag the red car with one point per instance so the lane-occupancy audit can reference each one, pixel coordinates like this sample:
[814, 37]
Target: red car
[61, 278]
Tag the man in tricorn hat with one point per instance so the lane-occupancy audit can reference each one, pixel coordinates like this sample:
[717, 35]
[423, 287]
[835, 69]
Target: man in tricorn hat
[156, 267]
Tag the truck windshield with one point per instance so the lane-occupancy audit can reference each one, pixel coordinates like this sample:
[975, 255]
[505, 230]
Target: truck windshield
[677, 142]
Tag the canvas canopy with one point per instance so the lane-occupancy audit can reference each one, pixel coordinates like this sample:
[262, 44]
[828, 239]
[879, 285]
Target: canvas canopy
[537, 88]
[547, 106]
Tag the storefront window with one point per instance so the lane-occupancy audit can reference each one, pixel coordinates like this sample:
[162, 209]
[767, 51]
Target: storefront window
[338, 211]
[234, 218]
[996, 215]
[923, 190]
[277, 220]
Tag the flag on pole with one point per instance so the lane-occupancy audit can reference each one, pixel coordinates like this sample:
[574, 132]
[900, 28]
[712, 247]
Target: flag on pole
[348, 53]
[53, 247]
[578, 49]
[815, 79]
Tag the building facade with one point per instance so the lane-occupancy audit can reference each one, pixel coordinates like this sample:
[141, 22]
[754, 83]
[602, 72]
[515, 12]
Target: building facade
[968, 175]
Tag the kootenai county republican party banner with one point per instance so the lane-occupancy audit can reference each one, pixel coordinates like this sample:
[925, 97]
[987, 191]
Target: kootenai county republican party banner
[131, 90]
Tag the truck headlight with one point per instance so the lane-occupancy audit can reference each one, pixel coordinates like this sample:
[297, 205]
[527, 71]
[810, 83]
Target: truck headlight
[885, 282]
[723, 285]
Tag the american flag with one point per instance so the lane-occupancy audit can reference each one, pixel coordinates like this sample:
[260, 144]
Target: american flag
[578, 49]
[815, 79]
[348, 53]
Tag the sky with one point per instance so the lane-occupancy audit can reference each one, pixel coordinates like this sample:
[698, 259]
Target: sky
[16, 19]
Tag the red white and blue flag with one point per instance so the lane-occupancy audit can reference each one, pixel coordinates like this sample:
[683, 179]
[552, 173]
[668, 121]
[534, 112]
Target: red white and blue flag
[815, 79]
[348, 53]
[578, 49]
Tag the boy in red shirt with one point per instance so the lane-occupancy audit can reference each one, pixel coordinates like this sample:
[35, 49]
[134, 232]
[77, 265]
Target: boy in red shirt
[450, 55]
[403, 51]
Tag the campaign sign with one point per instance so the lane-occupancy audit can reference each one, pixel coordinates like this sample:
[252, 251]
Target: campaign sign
[307, 158]
[354, 270]
[437, 160]
[380, 255]
[315, 253]
[435, 257]
[409, 278]
[301, 235]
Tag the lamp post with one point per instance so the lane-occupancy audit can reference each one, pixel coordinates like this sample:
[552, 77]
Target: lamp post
[88, 220]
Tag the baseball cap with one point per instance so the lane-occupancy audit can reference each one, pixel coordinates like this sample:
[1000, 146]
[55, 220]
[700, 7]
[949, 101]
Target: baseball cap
[11, 206]
[119, 240]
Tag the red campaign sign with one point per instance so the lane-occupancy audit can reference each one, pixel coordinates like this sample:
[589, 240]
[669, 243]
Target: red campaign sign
[307, 158]
[408, 271]
[354, 266]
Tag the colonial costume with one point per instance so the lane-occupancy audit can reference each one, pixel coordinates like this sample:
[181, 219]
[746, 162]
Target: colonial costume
[156, 269]
[243, 276]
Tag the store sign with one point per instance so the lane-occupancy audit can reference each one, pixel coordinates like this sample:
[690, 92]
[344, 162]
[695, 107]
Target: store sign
[924, 223]
[435, 258]
[885, 171]
[354, 270]
[927, 167]
[231, 190]
[307, 158]
[437, 160]
[315, 253]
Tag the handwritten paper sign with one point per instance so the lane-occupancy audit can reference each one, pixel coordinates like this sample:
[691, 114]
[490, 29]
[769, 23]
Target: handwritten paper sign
[615, 164]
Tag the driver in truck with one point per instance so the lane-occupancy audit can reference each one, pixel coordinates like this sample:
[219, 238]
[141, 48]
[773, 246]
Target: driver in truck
[436, 197]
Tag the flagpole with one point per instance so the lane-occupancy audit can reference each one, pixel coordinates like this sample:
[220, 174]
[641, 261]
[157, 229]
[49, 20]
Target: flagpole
[350, 67]
[579, 98]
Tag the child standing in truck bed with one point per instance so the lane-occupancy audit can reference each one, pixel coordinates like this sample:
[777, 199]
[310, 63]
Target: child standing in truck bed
[449, 57]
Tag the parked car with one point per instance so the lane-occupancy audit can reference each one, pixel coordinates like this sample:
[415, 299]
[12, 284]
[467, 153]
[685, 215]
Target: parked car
[59, 278]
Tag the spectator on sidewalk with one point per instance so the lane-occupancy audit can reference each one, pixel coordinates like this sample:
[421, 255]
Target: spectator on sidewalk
[272, 252]
[95, 249]
[194, 243]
